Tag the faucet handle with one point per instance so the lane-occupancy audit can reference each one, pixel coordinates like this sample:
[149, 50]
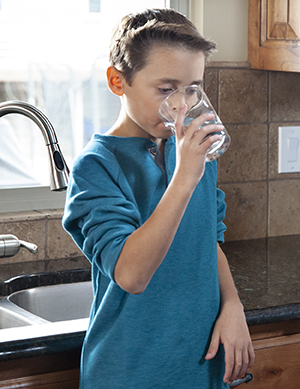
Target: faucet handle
[10, 246]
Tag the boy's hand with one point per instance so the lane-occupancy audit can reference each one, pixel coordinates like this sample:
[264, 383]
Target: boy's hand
[231, 330]
[191, 147]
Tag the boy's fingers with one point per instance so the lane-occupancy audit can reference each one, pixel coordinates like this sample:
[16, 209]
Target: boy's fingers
[243, 362]
[179, 123]
[251, 356]
[240, 365]
[201, 122]
[229, 365]
[237, 364]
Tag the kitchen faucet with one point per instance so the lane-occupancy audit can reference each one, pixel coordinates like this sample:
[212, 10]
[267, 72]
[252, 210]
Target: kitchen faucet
[59, 171]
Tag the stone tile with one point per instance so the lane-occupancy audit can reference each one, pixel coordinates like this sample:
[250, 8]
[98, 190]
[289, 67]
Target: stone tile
[247, 157]
[246, 216]
[32, 231]
[273, 152]
[59, 242]
[284, 96]
[68, 263]
[284, 207]
[211, 86]
[243, 96]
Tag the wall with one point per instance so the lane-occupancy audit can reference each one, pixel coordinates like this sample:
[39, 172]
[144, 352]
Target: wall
[226, 23]
[253, 104]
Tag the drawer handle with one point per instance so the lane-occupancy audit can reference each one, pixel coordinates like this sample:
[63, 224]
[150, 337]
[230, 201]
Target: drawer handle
[246, 379]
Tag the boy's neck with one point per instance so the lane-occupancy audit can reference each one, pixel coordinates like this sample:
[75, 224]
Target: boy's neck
[125, 127]
[121, 132]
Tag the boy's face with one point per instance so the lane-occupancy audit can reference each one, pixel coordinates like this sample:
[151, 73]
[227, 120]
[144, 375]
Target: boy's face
[167, 69]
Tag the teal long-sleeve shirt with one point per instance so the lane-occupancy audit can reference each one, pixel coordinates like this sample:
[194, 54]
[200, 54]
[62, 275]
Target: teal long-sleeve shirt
[157, 339]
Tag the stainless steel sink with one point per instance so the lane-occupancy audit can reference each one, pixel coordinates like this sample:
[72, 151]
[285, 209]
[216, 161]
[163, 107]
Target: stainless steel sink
[56, 303]
[12, 316]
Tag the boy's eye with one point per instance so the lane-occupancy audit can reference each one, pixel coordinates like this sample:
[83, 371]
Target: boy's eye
[166, 91]
[191, 91]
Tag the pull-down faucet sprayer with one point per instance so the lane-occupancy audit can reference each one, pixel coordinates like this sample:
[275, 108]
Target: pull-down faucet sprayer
[59, 171]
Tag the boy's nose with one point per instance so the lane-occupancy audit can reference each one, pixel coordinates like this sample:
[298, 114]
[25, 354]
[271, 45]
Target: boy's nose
[178, 101]
[183, 99]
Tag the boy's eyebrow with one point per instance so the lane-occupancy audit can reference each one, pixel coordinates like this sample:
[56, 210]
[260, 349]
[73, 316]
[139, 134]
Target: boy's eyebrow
[168, 80]
[174, 81]
[198, 82]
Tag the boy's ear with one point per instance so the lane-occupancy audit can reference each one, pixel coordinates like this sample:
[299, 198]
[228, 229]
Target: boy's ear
[115, 80]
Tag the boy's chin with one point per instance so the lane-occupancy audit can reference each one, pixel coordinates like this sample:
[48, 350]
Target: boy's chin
[165, 132]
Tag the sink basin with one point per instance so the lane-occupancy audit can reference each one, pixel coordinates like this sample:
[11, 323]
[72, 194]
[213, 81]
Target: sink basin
[57, 302]
[12, 316]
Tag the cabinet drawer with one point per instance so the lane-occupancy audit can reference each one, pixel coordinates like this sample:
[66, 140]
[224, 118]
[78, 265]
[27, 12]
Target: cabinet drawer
[277, 363]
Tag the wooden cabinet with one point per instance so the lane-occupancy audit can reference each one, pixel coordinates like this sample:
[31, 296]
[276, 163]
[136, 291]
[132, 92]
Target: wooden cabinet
[55, 371]
[277, 356]
[274, 35]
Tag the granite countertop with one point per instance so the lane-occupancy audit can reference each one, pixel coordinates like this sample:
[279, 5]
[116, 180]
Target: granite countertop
[266, 273]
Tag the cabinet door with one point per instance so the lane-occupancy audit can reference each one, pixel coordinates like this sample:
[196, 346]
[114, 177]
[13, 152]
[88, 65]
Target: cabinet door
[277, 363]
[274, 35]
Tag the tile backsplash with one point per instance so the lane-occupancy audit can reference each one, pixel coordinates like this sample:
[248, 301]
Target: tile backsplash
[253, 104]
[42, 228]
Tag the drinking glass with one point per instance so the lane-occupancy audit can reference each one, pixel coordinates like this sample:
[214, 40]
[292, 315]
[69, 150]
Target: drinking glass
[198, 103]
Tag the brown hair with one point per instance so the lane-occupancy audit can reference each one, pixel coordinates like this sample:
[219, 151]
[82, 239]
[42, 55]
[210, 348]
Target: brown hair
[136, 34]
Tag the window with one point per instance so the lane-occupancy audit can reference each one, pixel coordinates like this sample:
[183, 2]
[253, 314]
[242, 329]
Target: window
[54, 56]
[95, 5]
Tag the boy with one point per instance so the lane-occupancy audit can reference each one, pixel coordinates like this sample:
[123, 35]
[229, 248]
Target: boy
[144, 208]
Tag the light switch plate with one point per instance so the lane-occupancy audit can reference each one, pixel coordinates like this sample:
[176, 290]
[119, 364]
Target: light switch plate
[288, 149]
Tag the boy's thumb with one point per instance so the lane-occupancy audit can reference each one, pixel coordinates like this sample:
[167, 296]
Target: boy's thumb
[213, 349]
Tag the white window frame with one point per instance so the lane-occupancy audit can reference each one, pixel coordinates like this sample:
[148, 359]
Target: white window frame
[41, 198]
[183, 6]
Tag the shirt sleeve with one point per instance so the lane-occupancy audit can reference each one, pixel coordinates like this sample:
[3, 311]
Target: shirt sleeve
[100, 211]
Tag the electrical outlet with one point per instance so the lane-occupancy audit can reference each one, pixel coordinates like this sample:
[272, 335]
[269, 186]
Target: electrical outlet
[288, 149]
